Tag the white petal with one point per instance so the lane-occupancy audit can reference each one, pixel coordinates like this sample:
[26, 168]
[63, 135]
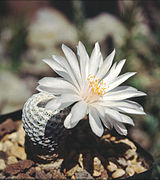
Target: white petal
[58, 69]
[95, 122]
[67, 122]
[95, 60]
[106, 65]
[125, 106]
[84, 60]
[120, 128]
[122, 94]
[55, 86]
[54, 65]
[113, 114]
[53, 105]
[64, 63]
[114, 71]
[72, 59]
[77, 113]
[105, 119]
[68, 99]
[119, 80]
[118, 117]
[126, 119]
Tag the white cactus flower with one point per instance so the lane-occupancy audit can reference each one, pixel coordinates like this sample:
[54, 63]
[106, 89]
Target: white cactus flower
[92, 85]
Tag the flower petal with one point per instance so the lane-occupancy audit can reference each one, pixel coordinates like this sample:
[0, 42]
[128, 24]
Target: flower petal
[95, 122]
[84, 60]
[95, 60]
[77, 113]
[124, 106]
[107, 121]
[123, 94]
[120, 128]
[68, 99]
[64, 63]
[119, 80]
[118, 117]
[106, 65]
[58, 69]
[72, 59]
[114, 71]
[53, 104]
[55, 86]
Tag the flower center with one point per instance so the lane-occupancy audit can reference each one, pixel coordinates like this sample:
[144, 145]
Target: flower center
[97, 87]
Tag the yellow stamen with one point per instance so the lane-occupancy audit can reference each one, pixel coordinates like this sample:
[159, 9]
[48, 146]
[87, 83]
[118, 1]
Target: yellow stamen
[97, 86]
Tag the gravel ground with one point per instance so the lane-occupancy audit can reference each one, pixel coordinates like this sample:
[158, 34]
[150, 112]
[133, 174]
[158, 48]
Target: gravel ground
[80, 157]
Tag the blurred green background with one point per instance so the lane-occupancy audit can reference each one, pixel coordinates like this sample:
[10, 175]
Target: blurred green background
[33, 30]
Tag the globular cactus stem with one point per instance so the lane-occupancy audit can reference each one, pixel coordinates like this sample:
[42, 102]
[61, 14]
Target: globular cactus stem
[43, 127]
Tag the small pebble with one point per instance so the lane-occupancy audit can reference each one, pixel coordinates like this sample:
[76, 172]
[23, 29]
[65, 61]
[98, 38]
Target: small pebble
[72, 171]
[12, 159]
[130, 171]
[1, 146]
[97, 164]
[113, 138]
[96, 173]
[38, 168]
[128, 142]
[80, 160]
[138, 168]
[13, 137]
[106, 136]
[118, 173]
[21, 136]
[18, 152]
[122, 161]
[112, 167]
[7, 146]
[130, 153]
[2, 165]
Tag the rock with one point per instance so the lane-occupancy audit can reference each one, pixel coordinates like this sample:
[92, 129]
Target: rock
[21, 136]
[75, 169]
[106, 136]
[12, 160]
[138, 168]
[53, 165]
[83, 175]
[80, 160]
[112, 138]
[130, 171]
[21, 166]
[104, 175]
[96, 173]
[128, 142]
[118, 173]
[1, 146]
[31, 171]
[112, 167]
[7, 146]
[130, 153]
[38, 168]
[18, 152]
[2, 164]
[98, 165]
[23, 176]
[122, 161]
[13, 137]
[40, 175]
[7, 127]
